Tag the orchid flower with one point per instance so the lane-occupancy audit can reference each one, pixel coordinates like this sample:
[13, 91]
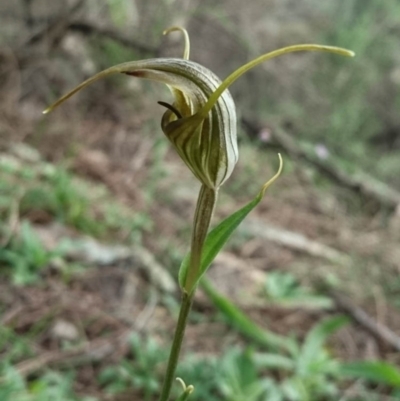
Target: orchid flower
[201, 125]
[201, 122]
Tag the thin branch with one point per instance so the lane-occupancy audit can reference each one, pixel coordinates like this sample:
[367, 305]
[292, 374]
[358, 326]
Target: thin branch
[88, 29]
[295, 241]
[378, 330]
[369, 187]
[95, 351]
[61, 24]
[57, 25]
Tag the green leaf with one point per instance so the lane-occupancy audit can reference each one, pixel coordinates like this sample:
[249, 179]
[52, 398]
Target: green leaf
[241, 322]
[375, 371]
[120, 11]
[316, 338]
[273, 361]
[218, 237]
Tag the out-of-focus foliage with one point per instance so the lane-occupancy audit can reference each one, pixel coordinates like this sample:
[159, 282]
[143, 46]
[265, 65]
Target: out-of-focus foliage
[353, 104]
[345, 108]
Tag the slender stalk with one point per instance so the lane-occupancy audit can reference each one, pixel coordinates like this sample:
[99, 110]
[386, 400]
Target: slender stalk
[202, 218]
[204, 210]
[186, 305]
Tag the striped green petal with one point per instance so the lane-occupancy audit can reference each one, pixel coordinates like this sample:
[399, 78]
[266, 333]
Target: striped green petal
[201, 121]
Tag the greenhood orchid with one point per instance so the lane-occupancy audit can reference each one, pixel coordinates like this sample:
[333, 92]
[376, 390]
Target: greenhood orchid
[201, 122]
[201, 125]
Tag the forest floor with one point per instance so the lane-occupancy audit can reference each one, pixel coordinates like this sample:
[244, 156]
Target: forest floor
[113, 220]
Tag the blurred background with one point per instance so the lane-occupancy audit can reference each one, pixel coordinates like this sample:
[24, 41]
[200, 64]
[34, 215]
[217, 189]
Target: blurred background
[96, 208]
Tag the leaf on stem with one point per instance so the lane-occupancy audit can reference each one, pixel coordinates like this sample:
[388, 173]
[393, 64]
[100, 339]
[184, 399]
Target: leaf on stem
[242, 323]
[218, 237]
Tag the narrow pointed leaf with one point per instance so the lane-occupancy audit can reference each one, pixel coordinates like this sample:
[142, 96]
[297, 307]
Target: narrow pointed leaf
[218, 237]
[241, 322]
[374, 371]
[316, 339]
[285, 50]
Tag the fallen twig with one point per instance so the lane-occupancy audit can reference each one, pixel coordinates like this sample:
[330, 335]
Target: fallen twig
[53, 31]
[361, 182]
[88, 28]
[53, 28]
[92, 352]
[294, 241]
[378, 330]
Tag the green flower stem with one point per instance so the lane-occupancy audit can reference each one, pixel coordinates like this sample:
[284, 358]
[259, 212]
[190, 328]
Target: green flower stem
[186, 305]
[204, 211]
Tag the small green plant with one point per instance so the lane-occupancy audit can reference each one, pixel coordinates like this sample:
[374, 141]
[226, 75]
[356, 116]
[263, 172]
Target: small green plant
[239, 378]
[201, 126]
[25, 256]
[139, 373]
[61, 197]
[374, 372]
[47, 191]
[281, 286]
[203, 373]
[306, 370]
[284, 289]
[12, 347]
[309, 370]
[49, 387]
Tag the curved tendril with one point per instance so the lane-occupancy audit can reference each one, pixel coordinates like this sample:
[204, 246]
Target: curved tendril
[182, 383]
[240, 71]
[186, 52]
[171, 108]
[102, 74]
[274, 178]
